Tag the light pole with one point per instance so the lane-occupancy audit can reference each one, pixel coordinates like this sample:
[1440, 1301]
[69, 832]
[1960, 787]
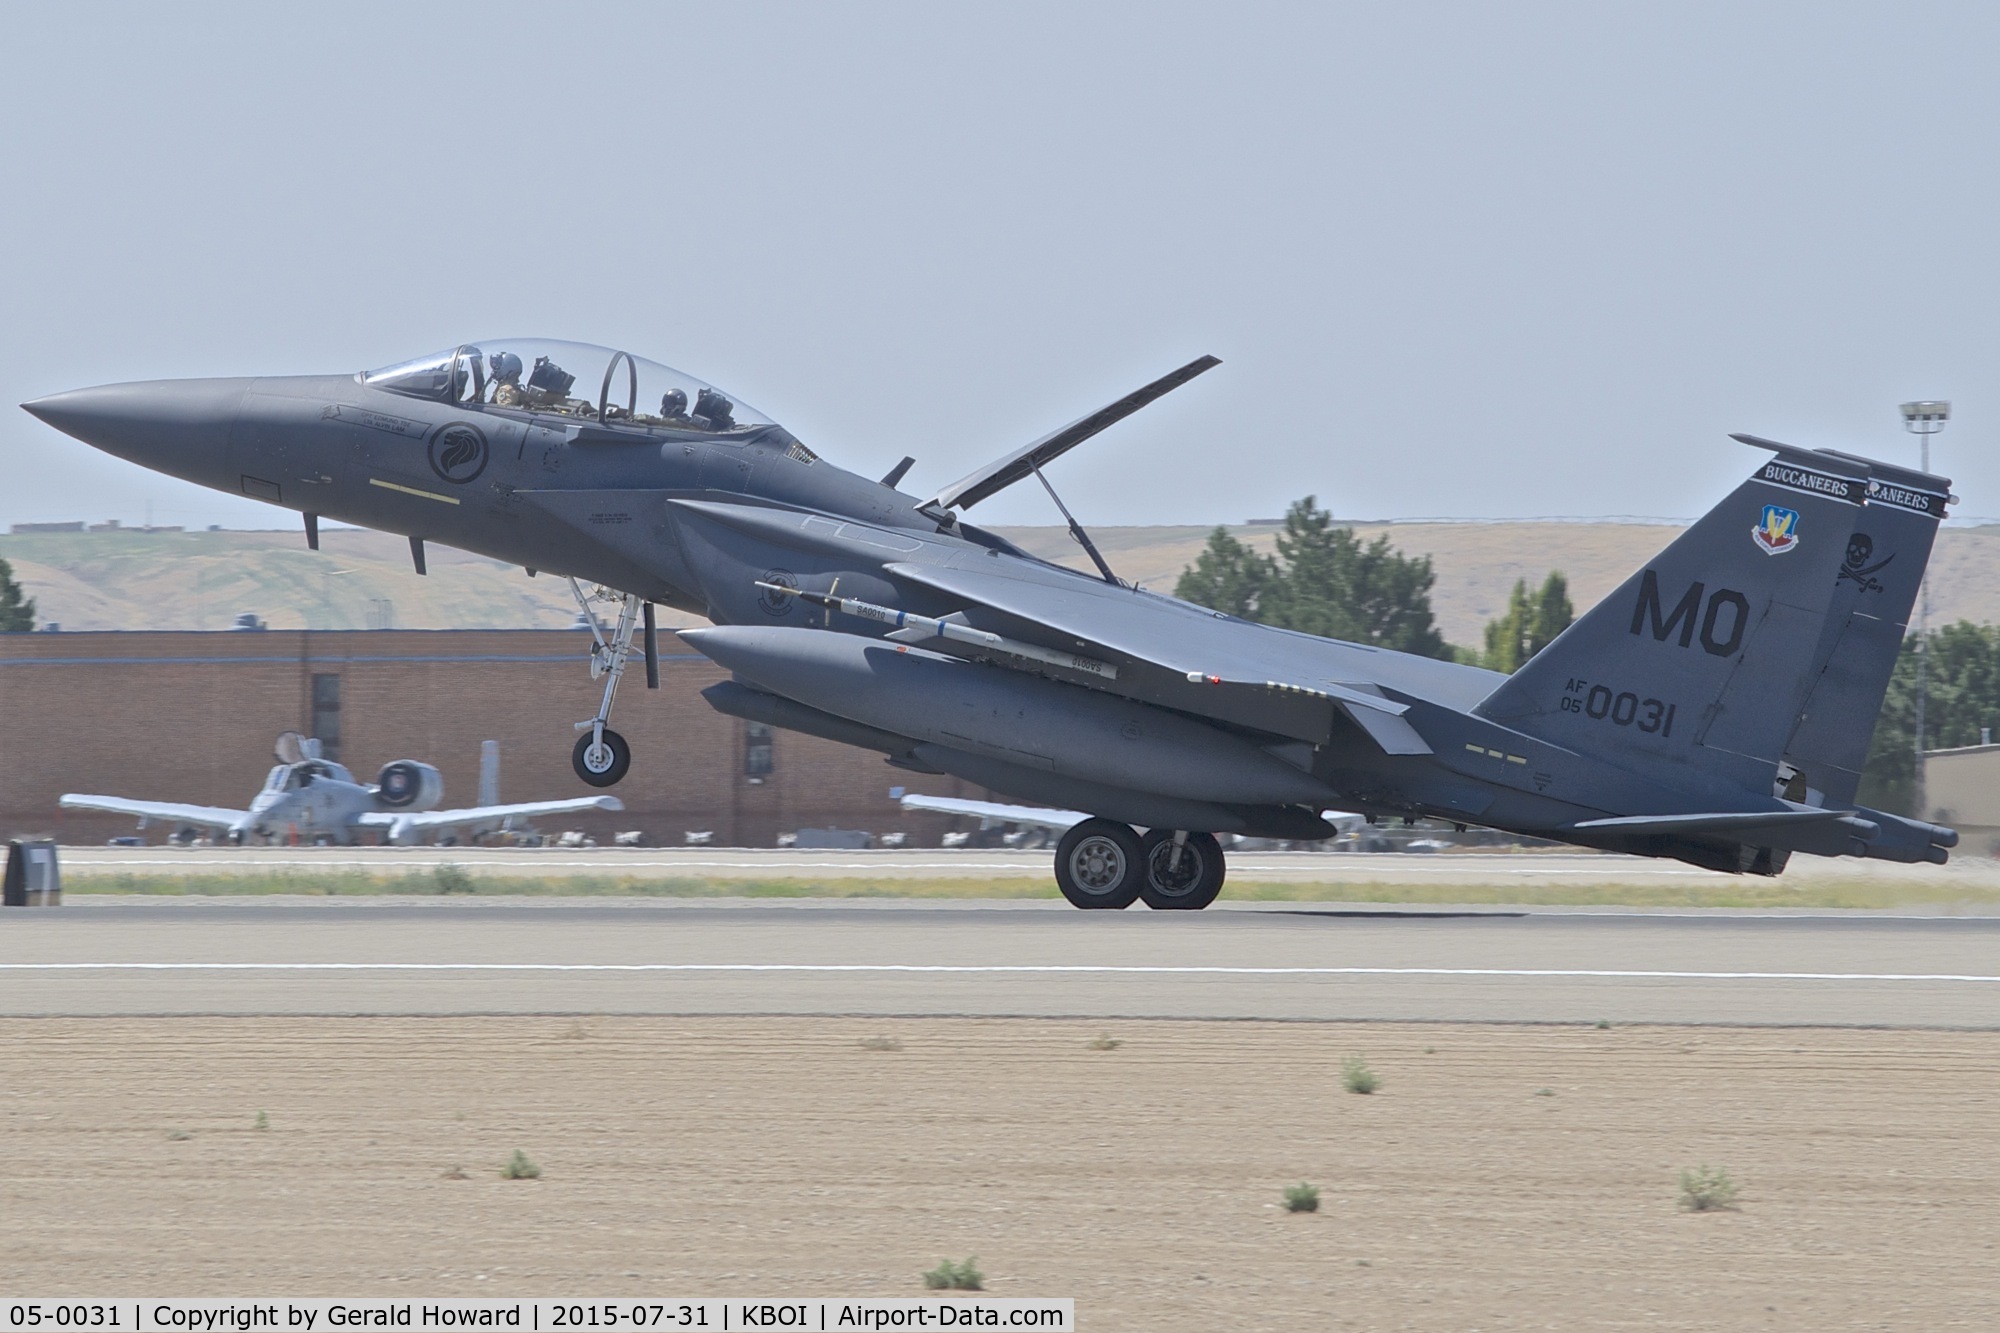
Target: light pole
[1923, 420]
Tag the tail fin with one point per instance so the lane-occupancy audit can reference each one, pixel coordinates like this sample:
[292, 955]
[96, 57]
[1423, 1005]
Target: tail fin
[489, 772]
[1873, 595]
[1703, 660]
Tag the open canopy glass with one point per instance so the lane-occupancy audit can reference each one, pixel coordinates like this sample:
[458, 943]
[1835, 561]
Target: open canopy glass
[543, 375]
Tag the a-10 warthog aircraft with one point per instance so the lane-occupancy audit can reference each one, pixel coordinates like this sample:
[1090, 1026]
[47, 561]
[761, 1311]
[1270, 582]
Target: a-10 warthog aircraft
[1717, 707]
[309, 798]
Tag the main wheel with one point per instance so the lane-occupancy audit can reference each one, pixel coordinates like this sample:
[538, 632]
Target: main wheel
[1097, 865]
[601, 765]
[1184, 883]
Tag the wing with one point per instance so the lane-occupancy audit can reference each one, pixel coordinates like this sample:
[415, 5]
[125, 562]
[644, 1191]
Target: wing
[989, 813]
[423, 819]
[208, 816]
[1180, 656]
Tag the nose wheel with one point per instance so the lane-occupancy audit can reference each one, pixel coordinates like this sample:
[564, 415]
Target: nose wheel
[601, 758]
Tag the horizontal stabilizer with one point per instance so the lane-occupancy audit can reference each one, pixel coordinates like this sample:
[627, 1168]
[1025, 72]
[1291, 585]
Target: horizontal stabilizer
[997, 476]
[1735, 823]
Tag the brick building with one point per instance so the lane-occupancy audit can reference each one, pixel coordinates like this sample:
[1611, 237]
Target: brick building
[182, 716]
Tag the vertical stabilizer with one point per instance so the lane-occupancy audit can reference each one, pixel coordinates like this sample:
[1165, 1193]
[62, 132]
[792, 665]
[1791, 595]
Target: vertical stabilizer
[1703, 659]
[489, 772]
[1874, 593]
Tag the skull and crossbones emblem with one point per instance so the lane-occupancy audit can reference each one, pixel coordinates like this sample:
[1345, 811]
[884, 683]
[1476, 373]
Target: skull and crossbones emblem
[1860, 547]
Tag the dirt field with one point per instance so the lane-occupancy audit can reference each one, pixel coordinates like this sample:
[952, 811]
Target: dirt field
[1500, 1177]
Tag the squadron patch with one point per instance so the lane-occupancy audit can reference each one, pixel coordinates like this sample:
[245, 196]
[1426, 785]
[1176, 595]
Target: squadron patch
[778, 603]
[458, 453]
[1777, 531]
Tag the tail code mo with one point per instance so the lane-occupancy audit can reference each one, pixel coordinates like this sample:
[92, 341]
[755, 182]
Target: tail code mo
[1722, 622]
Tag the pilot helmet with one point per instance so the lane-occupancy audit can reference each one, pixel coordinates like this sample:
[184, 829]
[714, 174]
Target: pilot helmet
[674, 403]
[506, 368]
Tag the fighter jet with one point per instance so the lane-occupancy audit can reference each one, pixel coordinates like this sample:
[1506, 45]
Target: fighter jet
[1716, 708]
[308, 798]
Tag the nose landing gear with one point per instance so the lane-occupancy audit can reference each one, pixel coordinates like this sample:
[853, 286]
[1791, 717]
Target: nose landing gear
[602, 757]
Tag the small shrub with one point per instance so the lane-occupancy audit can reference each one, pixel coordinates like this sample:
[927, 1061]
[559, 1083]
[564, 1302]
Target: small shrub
[1707, 1189]
[520, 1168]
[1603, 1025]
[455, 1173]
[1356, 1076]
[1105, 1043]
[881, 1044]
[948, 1276]
[263, 1121]
[448, 878]
[1301, 1198]
[178, 1136]
[957, 1275]
[1545, 1092]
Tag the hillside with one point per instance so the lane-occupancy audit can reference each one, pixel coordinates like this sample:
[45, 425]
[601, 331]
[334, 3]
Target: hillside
[131, 579]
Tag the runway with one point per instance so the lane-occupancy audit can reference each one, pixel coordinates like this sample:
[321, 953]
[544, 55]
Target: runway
[655, 863]
[133, 956]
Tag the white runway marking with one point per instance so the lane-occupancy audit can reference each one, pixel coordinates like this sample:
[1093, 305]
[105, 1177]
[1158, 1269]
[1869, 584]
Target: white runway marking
[1016, 969]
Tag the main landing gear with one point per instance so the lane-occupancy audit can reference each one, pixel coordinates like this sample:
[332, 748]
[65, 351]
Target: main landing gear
[601, 757]
[1102, 864]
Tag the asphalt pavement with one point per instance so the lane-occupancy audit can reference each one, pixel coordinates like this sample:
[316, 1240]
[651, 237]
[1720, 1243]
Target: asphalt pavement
[118, 955]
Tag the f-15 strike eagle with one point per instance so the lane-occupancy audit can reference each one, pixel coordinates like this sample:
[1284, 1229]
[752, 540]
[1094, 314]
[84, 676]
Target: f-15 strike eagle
[309, 798]
[1716, 708]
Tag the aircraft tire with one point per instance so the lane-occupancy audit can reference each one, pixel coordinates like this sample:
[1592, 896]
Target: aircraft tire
[1189, 887]
[1097, 865]
[604, 767]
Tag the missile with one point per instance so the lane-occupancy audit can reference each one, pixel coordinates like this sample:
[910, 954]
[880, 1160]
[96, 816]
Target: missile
[1025, 720]
[947, 628]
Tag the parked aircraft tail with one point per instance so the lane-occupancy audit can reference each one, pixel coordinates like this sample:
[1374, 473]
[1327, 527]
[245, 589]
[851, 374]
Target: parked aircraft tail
[489, 772]
[1705, 659]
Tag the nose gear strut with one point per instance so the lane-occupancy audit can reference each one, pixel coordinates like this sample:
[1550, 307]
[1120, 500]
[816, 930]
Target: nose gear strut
[601, 757]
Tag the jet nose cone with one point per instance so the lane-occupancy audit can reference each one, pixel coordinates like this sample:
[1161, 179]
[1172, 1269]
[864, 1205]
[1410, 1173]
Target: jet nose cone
[67, 412]
[176, 426]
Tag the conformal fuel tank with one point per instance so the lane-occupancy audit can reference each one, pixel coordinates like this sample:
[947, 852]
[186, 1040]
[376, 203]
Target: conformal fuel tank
[1023, 719]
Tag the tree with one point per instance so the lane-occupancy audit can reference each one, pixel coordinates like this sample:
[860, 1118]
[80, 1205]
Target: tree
[1324, 581]
[17, 613]
[1228, 576]
[1962, 696]
[1530, 625]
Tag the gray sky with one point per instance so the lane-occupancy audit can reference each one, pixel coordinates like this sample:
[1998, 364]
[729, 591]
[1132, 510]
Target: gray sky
[1468, 260]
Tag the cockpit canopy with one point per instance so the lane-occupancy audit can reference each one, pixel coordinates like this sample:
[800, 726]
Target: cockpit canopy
[291, 777]
[569, 379]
